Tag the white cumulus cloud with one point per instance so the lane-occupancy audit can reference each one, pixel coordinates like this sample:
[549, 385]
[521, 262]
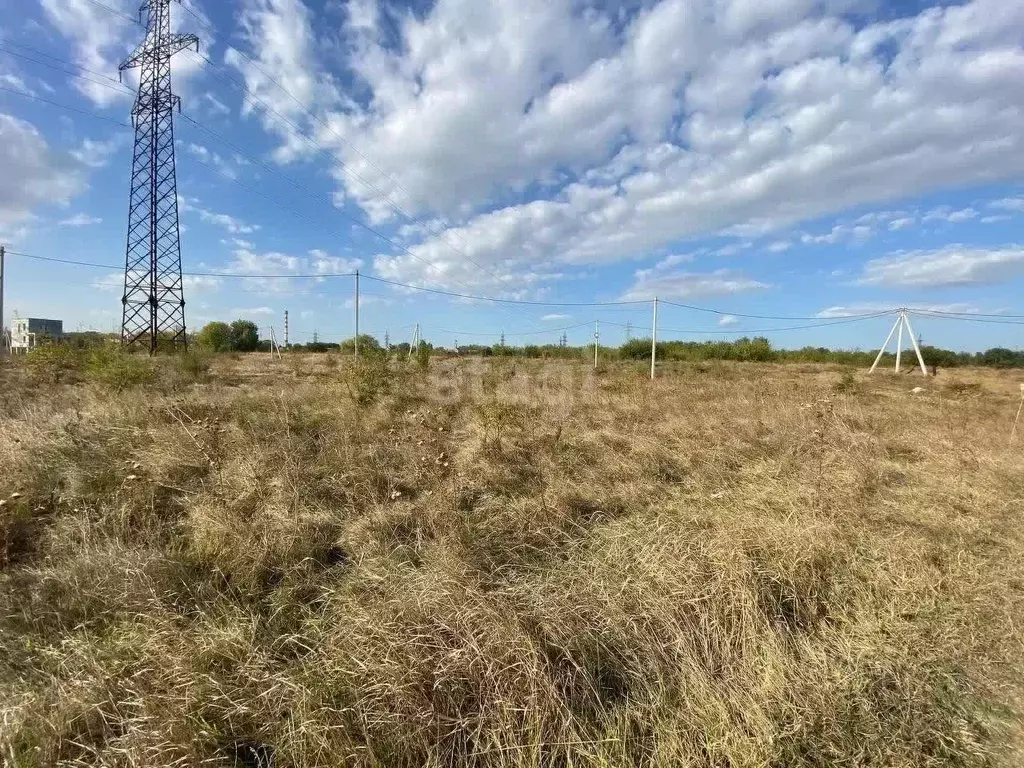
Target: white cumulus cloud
[553, 134]
[953, 265]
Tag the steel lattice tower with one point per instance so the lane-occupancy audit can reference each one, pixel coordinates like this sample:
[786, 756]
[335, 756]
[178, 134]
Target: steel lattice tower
[154, 301]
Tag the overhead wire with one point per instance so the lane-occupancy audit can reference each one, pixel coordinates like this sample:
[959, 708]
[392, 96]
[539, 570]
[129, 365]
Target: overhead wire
[758, 317]
[503, 333]
[987, 319]
[743, 331]
[114, 11]
[113, 85]
[52, 103]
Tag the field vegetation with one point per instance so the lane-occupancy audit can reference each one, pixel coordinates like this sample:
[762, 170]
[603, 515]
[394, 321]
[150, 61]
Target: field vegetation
[235, 560]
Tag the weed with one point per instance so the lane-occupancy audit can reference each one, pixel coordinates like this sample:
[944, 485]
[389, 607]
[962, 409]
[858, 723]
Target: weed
[847, 384]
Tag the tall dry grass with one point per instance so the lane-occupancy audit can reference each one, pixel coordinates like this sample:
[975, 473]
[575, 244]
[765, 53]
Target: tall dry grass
[302, 563]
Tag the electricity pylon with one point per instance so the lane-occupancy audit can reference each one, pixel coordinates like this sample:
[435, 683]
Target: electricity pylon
[153, 304]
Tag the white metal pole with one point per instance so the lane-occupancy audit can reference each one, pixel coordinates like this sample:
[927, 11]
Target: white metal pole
[899, 341]
[886, 344]
[597, 335]
[3, 332]
[1020, 408]
[654, 337]
[357, 314]
[917, 348]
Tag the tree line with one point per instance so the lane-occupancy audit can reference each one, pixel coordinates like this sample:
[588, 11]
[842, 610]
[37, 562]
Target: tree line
[243, 336]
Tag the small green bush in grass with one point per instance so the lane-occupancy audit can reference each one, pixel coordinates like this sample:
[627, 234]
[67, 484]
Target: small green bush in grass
[54, 364]
[368, 379]
[112, 367]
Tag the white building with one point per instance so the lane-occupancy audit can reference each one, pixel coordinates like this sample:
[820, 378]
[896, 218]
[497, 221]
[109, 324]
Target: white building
[28, 332]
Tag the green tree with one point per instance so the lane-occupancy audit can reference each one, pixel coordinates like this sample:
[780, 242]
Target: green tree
[368, 345]
[245, 336]
[215, 336]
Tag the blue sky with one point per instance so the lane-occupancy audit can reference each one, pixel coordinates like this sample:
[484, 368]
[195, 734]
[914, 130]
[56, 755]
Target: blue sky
[805, 158]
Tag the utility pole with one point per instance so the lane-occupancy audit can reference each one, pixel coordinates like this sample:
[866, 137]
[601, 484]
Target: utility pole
[3, 328]
[629, 330]
[357, 314]
[899, 344]
[902, 319]
[502, 339]
[597, 336]
[153, 302]
[654, 337]
[286, 329]
[316, 337]
[274, 346]
[387, 340]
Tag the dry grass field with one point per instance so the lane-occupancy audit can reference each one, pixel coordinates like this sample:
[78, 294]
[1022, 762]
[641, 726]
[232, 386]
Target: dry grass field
[495, 563]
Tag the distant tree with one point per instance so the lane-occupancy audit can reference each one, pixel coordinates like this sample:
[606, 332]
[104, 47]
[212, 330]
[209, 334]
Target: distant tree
[368, 345]
[1000, 357]
[215, 336]
[245, 336]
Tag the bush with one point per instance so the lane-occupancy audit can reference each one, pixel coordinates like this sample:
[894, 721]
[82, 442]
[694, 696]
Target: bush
[193, 363]
[368, 379]
[847, 384]
[54, 364]
[112, 367]
[423, 356]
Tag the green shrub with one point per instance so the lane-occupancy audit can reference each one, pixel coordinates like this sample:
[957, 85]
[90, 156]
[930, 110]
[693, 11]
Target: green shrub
[423, 356]
[847, 384]
[368, 379]
[193, 363]
[54, 364]
[112, 367]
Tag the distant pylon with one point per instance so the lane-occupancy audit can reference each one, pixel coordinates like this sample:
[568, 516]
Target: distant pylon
[902, 321]
[153, 303]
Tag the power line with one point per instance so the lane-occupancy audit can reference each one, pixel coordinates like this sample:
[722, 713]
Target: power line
[114, 11]
[313, 276]
[945, 313]
[505, 301]
[113, 84]
[986, 319]
[768, 330]
[239, 275]
[759, 317]
[503, 333]
[84, 112]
